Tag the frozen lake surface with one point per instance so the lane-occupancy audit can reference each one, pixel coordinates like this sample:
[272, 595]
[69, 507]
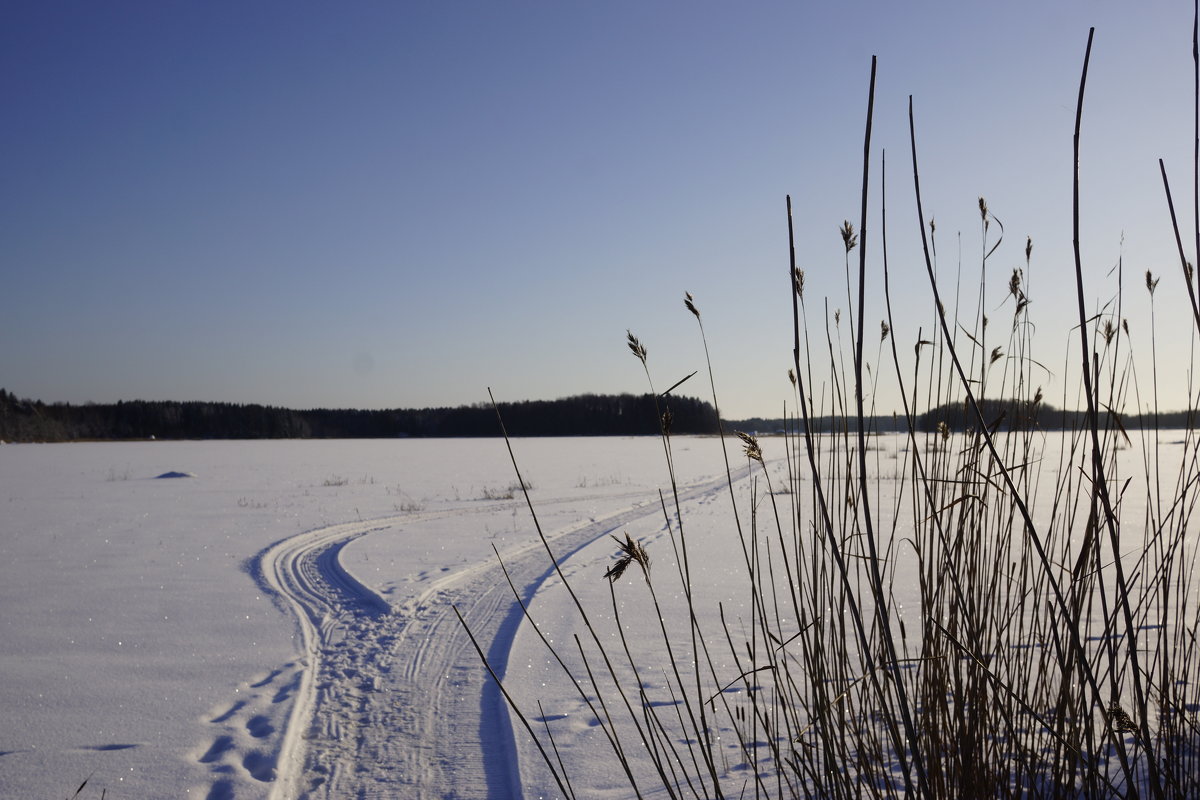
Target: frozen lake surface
[277, 619]
[145, 644]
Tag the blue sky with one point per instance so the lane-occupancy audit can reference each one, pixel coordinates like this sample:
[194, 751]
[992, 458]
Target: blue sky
[401, 204]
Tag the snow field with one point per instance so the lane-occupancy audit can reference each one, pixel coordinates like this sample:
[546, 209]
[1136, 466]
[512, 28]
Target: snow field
[281, 623]
[137, 646]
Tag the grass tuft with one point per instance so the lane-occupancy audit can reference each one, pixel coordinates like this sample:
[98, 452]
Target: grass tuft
[1001, 611]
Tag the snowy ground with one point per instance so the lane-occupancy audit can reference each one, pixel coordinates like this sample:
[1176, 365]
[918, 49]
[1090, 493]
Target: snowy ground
[178, 636]
[279, 621]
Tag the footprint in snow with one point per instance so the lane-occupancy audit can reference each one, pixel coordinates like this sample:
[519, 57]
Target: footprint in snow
[220, 746]
[246, 741]
[221, 790]
[275, 673]
[260, 765]
[236, 707]
[285, 692]
[260, 727]
[104, 748]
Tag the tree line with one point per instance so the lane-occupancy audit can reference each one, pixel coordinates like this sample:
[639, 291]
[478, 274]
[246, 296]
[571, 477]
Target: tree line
[1039, 415]
[23, 420]
[957, 417]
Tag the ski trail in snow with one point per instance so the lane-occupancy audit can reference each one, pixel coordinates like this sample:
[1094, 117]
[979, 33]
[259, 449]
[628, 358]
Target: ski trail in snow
[390, 701]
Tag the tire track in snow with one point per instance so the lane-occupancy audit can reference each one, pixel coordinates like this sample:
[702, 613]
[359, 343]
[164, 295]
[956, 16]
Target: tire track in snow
[392, 701]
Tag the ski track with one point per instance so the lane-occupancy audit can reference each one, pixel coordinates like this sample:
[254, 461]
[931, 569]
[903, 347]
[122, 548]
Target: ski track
[383, 701]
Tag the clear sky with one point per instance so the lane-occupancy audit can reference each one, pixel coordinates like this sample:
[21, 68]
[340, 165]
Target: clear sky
[400, 204]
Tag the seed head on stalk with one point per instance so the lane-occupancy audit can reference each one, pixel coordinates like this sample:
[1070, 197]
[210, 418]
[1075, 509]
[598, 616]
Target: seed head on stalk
[636, 347]
[849, 237]
[750, 445]
[1121, 721]
[630, 552]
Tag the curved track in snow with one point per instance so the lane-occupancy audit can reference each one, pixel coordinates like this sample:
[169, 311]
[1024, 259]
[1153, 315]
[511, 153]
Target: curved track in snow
[392, 701]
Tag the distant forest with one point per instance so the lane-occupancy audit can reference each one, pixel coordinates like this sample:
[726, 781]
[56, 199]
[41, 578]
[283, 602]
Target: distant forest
[583, 415]
[1006, 415]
